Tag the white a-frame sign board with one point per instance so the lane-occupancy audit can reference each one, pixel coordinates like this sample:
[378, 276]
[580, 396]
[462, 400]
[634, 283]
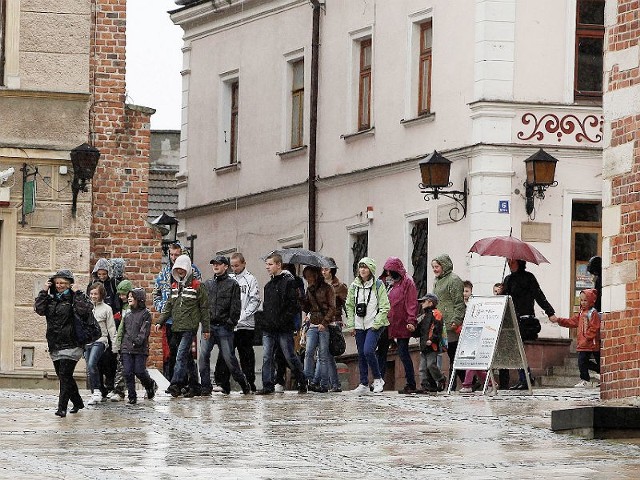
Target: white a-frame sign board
[490, 338]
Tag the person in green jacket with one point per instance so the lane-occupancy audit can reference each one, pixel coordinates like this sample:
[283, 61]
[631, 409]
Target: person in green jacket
[449, 289]
[188, 305]
[367, 306]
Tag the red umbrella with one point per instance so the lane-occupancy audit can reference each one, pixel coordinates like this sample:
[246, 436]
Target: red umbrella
[508, 247]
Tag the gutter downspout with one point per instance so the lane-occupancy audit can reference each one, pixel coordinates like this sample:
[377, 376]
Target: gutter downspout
[313, 123]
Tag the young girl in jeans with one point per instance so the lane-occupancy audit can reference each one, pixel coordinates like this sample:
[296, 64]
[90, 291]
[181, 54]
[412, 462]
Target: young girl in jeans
[133, 338]
[104, 315]
[367, 306]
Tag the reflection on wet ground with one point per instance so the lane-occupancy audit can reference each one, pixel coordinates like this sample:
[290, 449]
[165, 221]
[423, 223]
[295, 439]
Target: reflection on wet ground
[306, 436]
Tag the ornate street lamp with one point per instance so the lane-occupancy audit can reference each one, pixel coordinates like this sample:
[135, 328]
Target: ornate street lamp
[168, 228]
[541, 170]
[435, 170]
[84, 159]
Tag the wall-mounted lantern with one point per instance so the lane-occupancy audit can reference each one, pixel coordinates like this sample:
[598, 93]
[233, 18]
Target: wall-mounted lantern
[84, 159]
[435, 170]
[168, 228]
[541, 170]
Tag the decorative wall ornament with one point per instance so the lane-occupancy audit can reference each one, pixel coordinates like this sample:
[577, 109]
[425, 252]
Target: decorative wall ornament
[588, 128]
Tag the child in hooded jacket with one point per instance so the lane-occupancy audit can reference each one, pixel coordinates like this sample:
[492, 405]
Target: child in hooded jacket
[429, 330]
[117, 394]
[587, 321]
[133, 339]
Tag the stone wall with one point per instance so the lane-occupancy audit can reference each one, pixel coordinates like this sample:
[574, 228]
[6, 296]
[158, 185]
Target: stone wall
[621, 202]
[121, 184]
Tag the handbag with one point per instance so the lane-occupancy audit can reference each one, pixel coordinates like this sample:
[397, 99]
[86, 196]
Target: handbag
[529, 327]
[337, 343]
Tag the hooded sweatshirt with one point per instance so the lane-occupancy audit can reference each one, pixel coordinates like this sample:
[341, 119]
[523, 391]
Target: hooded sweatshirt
[249, 299]
[188, 304]
[374, 294]
[403, 297]
[133, 334]
[587, 321]
[449, 289]
[103, 314]
[111, 298]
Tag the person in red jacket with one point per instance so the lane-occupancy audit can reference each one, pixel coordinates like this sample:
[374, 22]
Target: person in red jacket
[587, 321]
[403, 298]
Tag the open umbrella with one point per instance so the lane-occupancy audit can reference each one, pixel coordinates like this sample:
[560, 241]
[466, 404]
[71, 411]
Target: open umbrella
[508, 247]
[302, 256]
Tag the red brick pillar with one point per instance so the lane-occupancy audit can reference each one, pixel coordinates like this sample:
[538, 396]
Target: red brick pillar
[121, 184]
[621, 202]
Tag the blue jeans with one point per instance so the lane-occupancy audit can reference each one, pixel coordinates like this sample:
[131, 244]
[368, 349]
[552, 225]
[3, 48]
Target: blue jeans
[92, 356]
[135, 365]
[319, 340]
[285, 340]
[366, 342]
[332, 373]
[184, 361]
[222, 337]
[405, 358]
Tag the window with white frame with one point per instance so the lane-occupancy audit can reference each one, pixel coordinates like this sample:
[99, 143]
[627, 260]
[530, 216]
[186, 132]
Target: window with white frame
[297, 103]
[589, 48]
[424, 68]
[229, 120]
[419, 232]
[359, 249]
[364, 85]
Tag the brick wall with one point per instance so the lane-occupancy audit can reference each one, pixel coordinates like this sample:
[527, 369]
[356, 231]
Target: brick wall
[121, 184]
[621, 202]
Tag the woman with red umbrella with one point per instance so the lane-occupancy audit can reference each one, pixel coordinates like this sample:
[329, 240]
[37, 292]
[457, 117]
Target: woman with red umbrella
[525, 290]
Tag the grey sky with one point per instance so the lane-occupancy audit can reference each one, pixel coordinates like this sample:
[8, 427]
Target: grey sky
[154, 61]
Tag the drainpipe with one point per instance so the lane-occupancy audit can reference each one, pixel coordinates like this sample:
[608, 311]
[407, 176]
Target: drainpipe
[313, 123]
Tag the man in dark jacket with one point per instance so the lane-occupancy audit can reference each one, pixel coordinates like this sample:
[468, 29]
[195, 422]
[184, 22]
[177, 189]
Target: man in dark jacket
[224, 313]
[524, 290]
[280, 307]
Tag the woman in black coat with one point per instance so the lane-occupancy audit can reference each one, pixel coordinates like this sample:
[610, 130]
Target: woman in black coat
[58, 304]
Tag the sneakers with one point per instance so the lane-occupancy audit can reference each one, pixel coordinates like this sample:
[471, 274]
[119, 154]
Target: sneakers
[279, 388]
[302, 388]
[132, 401]
[466, 390]
[95, 399]
[116, 397]
[582, 384]
[361, 390]
[174, 390]
[264, 391]
[378, 385]
[442, 384]
[246, 389]
[335, 390]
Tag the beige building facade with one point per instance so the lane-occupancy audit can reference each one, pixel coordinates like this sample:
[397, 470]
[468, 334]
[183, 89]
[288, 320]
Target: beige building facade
[486, 82]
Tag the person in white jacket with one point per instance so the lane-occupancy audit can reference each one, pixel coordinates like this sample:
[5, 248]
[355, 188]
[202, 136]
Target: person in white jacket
[93, 351]
[244, 333]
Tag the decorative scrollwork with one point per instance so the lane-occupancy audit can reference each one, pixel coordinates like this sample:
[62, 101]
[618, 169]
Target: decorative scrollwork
[567, 125]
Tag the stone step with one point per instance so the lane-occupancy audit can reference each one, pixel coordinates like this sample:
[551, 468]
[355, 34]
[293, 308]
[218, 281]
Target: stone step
[564, 380]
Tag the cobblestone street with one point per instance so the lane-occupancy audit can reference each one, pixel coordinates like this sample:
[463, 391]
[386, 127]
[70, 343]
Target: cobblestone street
[312, 436]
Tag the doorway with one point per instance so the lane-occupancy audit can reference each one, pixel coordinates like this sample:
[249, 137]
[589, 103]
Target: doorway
[586, 242]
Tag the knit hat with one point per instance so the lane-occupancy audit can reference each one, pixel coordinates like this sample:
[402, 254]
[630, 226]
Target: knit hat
[125, 286]
[432, 297]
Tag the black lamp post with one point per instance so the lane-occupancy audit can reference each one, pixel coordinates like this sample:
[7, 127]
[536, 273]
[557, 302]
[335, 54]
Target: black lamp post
[168, 228]
[435, 170]
[84, 159]
[541, 170]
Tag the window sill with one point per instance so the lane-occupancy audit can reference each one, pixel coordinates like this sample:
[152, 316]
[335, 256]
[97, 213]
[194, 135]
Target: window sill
[293, 153]
[427, 117]
[350, 137]
[227, 168]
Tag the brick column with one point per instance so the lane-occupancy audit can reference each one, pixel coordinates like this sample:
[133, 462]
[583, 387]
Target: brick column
[621, 202]
[121, 184]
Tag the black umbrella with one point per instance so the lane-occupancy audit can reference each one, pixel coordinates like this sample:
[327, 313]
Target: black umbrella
[302, 256]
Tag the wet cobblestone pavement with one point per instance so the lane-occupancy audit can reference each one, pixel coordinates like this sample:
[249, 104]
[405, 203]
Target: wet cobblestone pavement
[325, 436]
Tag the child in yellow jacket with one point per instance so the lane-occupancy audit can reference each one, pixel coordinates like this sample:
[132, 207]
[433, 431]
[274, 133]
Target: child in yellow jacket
[587, 321]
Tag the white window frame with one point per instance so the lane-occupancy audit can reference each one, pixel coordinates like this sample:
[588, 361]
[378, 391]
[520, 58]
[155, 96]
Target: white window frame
[412, 76]
[287, 107]
[353, 231]
[226, 81]
[353, 86]
[410, 219]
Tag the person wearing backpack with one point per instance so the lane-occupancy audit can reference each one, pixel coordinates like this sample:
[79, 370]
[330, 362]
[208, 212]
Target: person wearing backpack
[59, 304]
[587, 321]
[367, 307]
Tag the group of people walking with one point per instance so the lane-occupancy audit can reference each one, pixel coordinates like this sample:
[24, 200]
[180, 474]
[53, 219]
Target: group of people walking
[228, 311]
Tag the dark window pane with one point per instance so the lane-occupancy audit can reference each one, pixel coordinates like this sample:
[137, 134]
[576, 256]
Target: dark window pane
[589, 64]
[586, 212]
[586, 246]
[419, 256]
[359, 248]
[591, 12]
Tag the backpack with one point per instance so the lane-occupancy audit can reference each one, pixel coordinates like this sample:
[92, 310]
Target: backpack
[117, 268]
[85, 327]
